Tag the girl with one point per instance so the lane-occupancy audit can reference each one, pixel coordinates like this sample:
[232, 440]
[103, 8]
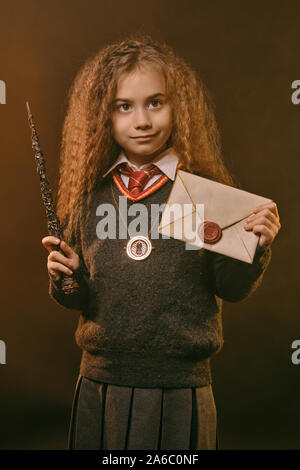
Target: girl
[150, 310]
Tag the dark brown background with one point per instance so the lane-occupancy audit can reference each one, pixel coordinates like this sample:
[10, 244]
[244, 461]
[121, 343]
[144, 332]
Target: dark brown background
[248, 53]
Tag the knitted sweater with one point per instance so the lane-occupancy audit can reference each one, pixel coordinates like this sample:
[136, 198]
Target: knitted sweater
[155, 322]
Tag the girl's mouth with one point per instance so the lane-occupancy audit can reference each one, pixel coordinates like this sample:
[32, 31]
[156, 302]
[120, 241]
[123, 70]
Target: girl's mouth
[144, 137]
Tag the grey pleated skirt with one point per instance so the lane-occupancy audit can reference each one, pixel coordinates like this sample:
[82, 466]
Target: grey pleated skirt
[111, 417]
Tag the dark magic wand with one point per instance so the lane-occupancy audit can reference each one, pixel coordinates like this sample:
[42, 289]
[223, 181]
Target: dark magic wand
[68, 283]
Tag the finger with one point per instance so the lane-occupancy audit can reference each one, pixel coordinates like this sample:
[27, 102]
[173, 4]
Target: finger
[269, 205]
[263, 206]
[265, 232]
[67, 249]
[50, 242]
[267, 213]
[59, 267]
[54, 275]
[267, 218]
[262, 241]
[50, 239]
[59, 257]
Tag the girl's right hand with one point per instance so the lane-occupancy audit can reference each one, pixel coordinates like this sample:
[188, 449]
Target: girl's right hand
[57, 262]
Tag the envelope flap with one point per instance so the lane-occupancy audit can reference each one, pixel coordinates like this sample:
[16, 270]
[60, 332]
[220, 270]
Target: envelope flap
[178, 199]
[223, 204]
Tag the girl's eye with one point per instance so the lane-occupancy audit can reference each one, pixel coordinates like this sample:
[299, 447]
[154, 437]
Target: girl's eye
[125, 106]
[157, 102]
[121, 106]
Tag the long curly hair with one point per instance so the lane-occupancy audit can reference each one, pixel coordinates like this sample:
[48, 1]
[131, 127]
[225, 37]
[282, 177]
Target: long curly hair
[87, 146]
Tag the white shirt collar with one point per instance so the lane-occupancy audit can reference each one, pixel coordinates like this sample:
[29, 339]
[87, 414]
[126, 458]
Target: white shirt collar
[166, 161]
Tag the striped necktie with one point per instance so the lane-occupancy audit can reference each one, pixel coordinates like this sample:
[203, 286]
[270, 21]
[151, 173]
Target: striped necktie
[138, 179]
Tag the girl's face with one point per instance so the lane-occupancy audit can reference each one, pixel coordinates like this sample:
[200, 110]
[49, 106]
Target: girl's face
[142, 108]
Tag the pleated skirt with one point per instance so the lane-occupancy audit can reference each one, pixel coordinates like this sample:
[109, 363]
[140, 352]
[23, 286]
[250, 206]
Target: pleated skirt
[111, 417]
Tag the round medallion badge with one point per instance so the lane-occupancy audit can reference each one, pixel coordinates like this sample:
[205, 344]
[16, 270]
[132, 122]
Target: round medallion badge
[138, 247]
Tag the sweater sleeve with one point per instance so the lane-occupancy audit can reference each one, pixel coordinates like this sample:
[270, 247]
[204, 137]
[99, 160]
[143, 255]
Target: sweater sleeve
[234, 280]
[76, 300]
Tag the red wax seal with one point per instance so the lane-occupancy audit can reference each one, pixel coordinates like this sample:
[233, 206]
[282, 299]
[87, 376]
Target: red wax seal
[209, 232]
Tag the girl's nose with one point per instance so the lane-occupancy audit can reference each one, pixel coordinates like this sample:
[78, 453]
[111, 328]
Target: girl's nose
[141, 119]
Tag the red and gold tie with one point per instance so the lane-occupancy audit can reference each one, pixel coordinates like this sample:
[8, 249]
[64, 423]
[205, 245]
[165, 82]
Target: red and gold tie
[138, 179]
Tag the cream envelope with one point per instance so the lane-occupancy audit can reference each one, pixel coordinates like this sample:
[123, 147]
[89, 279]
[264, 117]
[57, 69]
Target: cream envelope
[195, 199]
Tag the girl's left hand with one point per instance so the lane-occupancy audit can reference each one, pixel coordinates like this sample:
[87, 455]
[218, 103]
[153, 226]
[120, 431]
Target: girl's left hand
[264, 221]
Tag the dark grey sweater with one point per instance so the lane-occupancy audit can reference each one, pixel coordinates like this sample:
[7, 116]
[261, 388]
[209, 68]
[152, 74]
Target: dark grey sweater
[155, 322]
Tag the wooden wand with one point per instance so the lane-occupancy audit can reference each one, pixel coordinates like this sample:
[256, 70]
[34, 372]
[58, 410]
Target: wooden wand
[68, 283]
